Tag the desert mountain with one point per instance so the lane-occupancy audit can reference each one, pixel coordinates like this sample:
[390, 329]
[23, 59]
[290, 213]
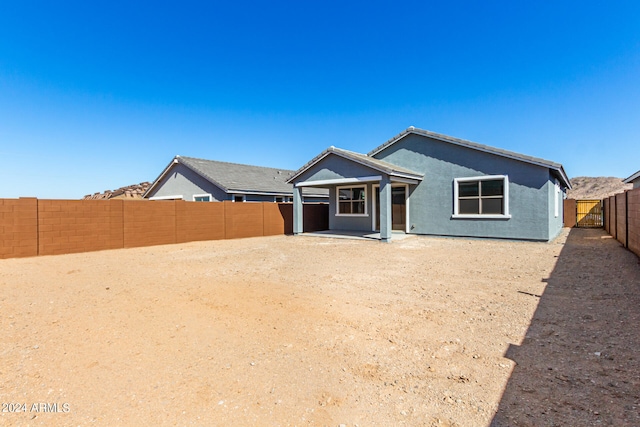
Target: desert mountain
[587, 187]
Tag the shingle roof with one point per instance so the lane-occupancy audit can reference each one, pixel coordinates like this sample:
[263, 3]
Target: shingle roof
[473, 145]
[364, 159]
[240, 178]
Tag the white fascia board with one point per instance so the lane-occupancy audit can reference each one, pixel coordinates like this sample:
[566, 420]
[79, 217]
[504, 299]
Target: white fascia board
[259, 193]
[176, 197]
[405, 180]
[338, 181]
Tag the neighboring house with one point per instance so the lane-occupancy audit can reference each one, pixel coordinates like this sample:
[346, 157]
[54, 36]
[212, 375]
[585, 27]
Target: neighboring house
[200, 180]
[633, 179]
[130, 192]
[426, 183]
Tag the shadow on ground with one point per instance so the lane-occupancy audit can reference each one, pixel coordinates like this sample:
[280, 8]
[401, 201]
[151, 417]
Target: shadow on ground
[579, 364]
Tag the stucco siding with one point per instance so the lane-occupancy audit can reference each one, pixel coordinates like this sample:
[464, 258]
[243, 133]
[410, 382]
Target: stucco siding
[432, 201]
[184, 182]
[335, 167]
[339, 222]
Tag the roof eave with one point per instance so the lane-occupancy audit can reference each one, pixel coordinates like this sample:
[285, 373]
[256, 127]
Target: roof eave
[632, 178]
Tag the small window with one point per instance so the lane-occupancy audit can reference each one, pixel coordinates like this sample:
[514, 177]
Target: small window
[202, 197]
[482, 197]
[352, 200]
[279, 199]
[239, 198]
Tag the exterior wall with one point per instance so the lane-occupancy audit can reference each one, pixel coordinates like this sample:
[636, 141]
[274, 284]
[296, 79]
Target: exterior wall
[359, 223]
[184, 182]
[636, 183]
[431, 201]
[556, 200]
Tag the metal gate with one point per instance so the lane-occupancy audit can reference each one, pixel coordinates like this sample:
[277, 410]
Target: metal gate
[589, 213]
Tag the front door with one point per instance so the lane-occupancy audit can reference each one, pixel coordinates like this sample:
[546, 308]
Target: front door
[398, 208]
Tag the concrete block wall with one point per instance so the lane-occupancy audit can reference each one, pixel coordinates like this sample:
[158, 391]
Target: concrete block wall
[71, 226]
[621, 218]
[18, 228]
[31, 227]
[569, 213]
[199, 221]
[149, 223]
[633, 224]
[243, 220]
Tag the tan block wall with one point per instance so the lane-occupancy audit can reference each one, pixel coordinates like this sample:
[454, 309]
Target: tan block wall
[613, 217]
[199, 221]
[621, 218]
[149, 223]
[569, 212]
[633, 200]
[243, 219]
[18, 228]
[71, 226]
[277, 218]
[31, 227]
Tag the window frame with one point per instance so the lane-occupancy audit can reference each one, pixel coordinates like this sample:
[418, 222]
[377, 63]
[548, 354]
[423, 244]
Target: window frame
[351, 187]
[505, 197]
[193, 198]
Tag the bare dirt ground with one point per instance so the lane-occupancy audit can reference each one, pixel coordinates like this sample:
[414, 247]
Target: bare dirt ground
[314, 331]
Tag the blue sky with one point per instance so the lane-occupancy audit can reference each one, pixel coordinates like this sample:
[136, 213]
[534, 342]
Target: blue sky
[98, 95]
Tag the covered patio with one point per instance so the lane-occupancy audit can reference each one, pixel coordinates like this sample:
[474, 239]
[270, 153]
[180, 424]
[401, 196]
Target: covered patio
[367, 196]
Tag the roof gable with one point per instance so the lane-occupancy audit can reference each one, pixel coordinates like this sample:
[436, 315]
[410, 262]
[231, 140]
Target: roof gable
[363, 159]
[556, 167]
[234, 177]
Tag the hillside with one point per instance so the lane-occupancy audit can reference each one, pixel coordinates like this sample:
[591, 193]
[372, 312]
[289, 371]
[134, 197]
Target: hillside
[586, 187]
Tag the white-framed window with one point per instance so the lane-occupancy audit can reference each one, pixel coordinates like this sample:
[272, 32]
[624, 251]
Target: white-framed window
[481, 197]
[280, 199]
[351, 201]
[239, 198]
[202, 197]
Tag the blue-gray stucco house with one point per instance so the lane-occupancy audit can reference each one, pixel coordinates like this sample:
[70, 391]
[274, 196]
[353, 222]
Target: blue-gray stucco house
[422, 182]
[201, 180]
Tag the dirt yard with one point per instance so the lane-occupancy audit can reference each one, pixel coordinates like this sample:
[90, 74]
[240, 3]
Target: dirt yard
[314, 331]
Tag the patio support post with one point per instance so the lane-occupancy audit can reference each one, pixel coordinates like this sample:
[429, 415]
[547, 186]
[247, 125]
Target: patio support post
[385, 209]
[297, 210]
